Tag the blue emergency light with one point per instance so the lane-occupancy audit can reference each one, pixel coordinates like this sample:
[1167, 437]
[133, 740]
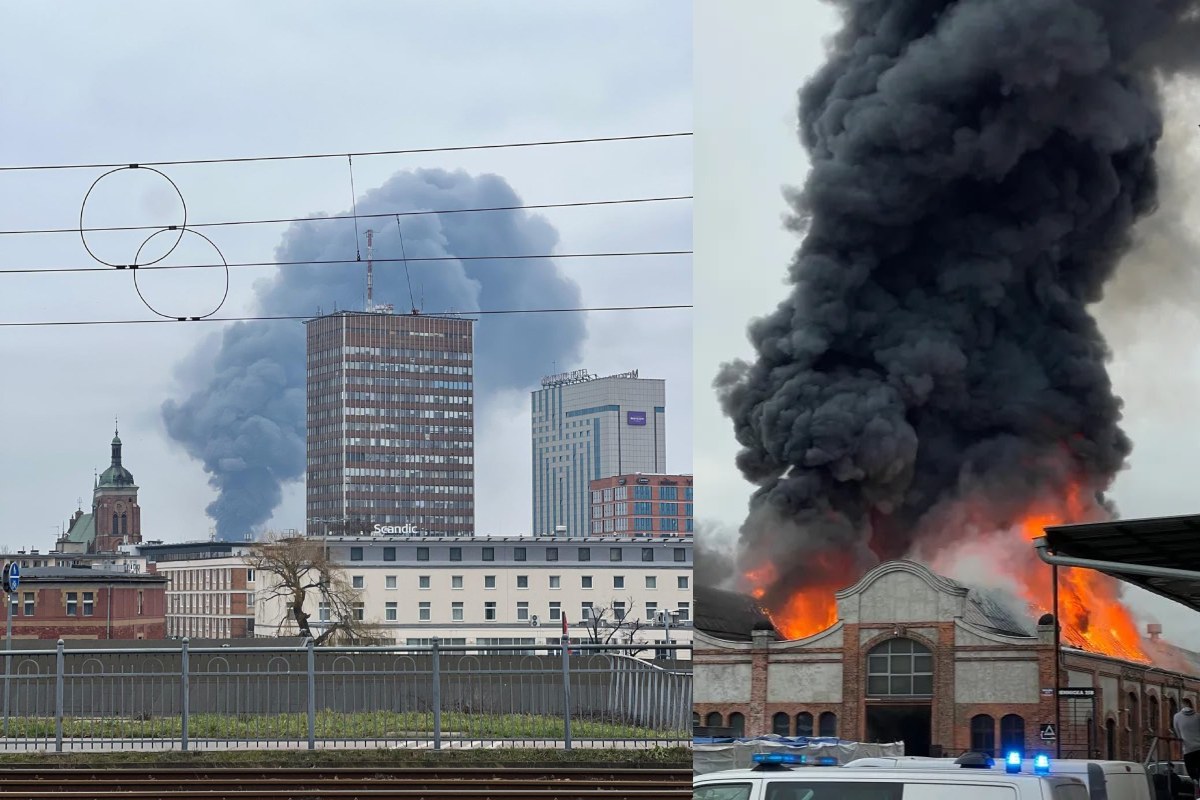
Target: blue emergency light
[1041, 764]
[1012, 762]
[778, 758]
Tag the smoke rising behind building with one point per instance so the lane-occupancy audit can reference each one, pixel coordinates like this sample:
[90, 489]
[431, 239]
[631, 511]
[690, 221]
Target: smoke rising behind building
[242, 413]
[976, 172]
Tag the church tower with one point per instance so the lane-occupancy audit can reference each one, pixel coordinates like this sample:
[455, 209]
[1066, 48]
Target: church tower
[115, 510]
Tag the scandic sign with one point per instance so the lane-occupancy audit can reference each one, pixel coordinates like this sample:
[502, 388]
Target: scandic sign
[394, 530]
[635, 417]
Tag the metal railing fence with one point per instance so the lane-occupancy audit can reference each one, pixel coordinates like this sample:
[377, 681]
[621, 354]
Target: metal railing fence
[432, 696]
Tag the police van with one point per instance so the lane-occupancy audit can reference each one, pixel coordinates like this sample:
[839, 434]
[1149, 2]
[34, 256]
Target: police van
[1106, 780]
[791, 777]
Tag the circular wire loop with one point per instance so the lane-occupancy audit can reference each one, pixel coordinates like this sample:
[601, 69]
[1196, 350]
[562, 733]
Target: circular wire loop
[181, 227]
[147, 303]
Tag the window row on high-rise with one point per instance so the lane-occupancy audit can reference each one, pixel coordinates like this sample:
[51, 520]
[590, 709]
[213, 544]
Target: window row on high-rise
[386, 383]
[396, 397]
[400, 352]
[424, 369]
[415, 413]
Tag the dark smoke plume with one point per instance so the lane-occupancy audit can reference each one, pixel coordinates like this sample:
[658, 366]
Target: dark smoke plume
[976, 168]
[245, 418]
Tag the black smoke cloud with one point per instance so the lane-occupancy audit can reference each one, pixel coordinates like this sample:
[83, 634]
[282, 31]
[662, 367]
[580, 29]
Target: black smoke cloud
[976, 168]
[245, 418]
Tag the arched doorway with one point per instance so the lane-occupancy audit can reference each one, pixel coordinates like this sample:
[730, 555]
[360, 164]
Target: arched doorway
[1110, 739]
[899, 694]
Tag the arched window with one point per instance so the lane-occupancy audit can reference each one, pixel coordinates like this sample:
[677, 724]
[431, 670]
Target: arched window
[900, 668]
[827, 724]
[713, 720]
[983, 734]
[804, 724]
[781, 724]
[738, 723]
[1152, 712]
[1012, 734]
[1110, 738]
[116, 521]
[1133, 724]
[124, 524]
[695, 720]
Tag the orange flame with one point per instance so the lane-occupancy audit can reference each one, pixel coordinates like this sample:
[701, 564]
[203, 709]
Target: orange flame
[1092, 616]
[808, 610]
[1091, 613]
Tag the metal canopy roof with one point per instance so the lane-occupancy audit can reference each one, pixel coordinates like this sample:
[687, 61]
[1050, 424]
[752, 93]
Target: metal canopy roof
[1161, 554]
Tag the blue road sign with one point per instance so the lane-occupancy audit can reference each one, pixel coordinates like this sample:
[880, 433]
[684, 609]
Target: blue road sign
[13, 576]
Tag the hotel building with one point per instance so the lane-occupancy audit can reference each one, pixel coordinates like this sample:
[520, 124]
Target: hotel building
[585, 428]
[391, 431]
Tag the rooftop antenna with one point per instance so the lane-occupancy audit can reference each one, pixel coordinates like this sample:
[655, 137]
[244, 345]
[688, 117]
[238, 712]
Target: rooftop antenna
[370, 269]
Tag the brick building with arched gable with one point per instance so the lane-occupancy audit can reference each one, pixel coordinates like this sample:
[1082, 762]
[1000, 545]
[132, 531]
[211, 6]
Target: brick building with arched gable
[921, 658]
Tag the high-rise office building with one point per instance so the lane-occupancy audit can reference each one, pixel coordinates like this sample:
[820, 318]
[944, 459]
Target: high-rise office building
[391, 428]
[587, 427]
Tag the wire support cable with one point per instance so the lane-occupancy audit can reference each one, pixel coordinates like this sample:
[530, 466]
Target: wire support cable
[343, 154]
[330, 261]
[422, 213]
[300, 317]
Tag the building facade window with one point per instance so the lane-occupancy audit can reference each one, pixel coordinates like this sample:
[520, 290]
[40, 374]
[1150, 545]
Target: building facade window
[737, 722]
[489, 581]
[456, 554]
[585, 554]
[356, 582]
[983, 734]
[489, 610]
[389, 611]
[522, 611]
[89, 604]
[456, 611]
[389, 582]
[422, 581]
[356, 554]
[519, 554]
[900, 667]
[72, 604]
[28, 597]
[389, 554]
[422, 554]
[781, 724]
[489, 554]
[804, 724]
[423, 611]
[1012, 734]
[827, 724]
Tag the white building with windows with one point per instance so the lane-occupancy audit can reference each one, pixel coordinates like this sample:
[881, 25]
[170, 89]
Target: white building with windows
[210, 588]
[509, 590]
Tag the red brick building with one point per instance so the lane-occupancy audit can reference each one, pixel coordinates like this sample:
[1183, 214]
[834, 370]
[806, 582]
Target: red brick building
[643, 504]
[115, 518]
[79, 603]
[917, 657]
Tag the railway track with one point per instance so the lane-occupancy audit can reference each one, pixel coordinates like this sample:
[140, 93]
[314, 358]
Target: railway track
[315, 783]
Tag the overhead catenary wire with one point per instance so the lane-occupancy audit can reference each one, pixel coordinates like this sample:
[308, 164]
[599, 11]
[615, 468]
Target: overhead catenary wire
[297, 317]
[343, 154]
[430, 212]
[330, 261]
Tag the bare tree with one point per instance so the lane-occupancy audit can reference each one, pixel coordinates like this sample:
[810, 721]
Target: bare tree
[612, 624]
[302, 568]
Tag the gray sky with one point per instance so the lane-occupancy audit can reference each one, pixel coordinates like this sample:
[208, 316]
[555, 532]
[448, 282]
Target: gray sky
[748, 69]
[125, 82]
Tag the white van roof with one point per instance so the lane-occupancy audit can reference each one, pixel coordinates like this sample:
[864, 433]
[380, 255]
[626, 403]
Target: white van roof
[1057, 765]
[963, 777]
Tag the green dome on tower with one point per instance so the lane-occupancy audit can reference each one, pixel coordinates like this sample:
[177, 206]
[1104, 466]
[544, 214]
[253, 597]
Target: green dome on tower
[116, 475]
